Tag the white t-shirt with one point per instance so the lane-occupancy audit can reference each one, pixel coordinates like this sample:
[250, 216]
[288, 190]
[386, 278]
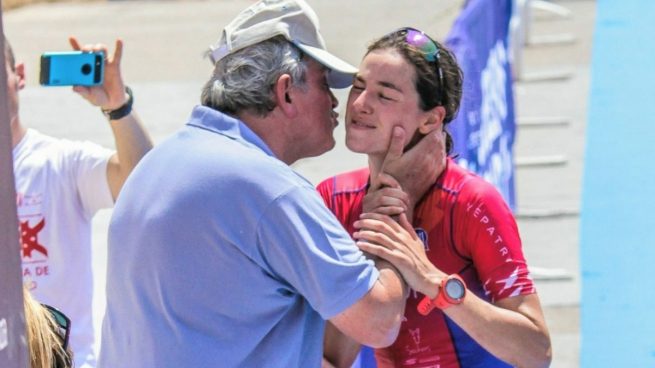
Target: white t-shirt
[60, 185]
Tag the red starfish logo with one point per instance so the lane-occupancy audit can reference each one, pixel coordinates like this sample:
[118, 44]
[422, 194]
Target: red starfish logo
[29, 237]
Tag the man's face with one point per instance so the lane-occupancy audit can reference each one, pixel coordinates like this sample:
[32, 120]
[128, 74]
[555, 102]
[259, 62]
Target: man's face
[317, 118]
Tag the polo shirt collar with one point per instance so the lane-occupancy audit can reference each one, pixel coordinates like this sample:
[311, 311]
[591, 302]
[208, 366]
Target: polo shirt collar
[215, 121]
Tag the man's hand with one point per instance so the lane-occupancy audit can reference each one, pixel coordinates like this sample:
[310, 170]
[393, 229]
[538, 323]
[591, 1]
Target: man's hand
[385, 194]
[404, 178]
[417, 169]
[394, 152]
[111, 94]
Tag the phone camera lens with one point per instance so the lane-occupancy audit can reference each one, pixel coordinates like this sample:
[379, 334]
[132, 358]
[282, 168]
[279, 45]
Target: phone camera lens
[86, 69]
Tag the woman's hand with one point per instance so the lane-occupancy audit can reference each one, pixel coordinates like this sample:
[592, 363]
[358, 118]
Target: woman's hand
[398, 244]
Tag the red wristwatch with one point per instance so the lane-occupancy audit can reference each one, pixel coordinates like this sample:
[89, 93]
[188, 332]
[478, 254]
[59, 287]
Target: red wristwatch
[452, 291]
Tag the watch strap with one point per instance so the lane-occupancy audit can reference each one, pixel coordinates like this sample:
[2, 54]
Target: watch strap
[122, 111]
[425, 306]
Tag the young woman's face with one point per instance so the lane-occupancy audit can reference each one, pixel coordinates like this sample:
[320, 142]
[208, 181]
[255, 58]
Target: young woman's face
[383, 95]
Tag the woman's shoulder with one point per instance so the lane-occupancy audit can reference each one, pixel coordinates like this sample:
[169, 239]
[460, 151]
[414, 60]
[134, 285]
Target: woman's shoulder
[351, 181]
[467, 184]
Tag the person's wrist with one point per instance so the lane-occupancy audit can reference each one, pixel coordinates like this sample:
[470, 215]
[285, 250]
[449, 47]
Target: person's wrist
[438, 297]
[122, 110]
[432, 285]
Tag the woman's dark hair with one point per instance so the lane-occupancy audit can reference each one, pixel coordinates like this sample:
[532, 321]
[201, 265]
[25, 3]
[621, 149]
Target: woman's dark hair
[433, 89]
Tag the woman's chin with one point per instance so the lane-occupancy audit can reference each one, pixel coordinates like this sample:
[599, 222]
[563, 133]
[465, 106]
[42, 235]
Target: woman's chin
[355, 147]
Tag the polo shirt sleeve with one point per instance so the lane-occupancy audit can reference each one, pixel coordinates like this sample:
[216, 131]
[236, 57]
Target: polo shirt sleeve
[305, 247]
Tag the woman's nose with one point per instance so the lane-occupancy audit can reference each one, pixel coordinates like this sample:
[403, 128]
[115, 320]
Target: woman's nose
[361, 103]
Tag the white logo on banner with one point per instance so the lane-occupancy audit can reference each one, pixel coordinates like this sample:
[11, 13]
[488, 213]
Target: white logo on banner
[495, 165]
[4, 335]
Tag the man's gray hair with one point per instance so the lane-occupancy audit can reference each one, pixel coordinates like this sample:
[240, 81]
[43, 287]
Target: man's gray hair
[244, 81]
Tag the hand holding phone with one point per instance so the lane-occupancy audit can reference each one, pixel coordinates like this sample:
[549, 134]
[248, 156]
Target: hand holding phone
[110, 95]
[72, 68]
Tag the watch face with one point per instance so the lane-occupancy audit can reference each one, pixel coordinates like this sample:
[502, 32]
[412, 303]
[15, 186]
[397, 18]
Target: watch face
[455, 289]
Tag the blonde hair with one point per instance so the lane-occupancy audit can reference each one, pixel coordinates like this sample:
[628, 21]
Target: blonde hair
[44, 344]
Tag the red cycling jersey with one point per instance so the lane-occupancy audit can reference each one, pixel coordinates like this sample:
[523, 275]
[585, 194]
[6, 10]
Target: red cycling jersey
[467, 229]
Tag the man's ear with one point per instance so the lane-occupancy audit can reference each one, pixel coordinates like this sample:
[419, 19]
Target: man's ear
[283, 89]
[20, 74]
[434, 120]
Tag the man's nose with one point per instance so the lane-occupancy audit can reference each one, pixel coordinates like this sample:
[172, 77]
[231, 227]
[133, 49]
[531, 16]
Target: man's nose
[335, 102]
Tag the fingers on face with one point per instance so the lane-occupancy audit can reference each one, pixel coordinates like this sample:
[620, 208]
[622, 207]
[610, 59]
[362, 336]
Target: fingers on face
[396, 145]
[428, 145]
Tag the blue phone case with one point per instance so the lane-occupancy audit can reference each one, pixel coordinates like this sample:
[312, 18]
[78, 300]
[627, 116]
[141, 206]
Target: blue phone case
[72, 68]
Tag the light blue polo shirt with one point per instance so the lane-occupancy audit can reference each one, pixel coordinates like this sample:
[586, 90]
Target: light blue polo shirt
[220, 255]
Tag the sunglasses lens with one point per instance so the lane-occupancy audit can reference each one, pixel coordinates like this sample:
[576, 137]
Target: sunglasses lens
[428, 48]
[422, 42]
[62, 322]
[60, 319]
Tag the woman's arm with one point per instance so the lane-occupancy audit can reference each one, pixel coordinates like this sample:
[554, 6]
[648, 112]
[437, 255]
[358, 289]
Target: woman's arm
[513, 329]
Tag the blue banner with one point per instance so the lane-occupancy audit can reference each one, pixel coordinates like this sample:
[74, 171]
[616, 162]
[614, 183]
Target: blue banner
[485, 126]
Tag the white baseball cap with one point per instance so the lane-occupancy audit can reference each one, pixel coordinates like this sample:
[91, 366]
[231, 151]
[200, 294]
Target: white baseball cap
[294, 20]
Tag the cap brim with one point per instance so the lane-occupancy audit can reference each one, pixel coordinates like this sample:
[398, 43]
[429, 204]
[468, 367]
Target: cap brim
[341, 73]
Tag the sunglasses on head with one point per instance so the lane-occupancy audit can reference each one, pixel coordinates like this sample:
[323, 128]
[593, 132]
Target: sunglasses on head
[427, 46]
[63, 324]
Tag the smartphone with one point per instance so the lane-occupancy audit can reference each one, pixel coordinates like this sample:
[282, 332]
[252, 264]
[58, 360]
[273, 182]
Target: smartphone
[72, 68]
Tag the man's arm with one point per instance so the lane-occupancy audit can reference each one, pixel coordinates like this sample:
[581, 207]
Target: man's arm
[339, 350]
[131, 139]
[374, 320]
[348, 331]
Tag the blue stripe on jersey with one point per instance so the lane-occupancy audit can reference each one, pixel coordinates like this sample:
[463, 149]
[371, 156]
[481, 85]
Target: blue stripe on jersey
[469, 352]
